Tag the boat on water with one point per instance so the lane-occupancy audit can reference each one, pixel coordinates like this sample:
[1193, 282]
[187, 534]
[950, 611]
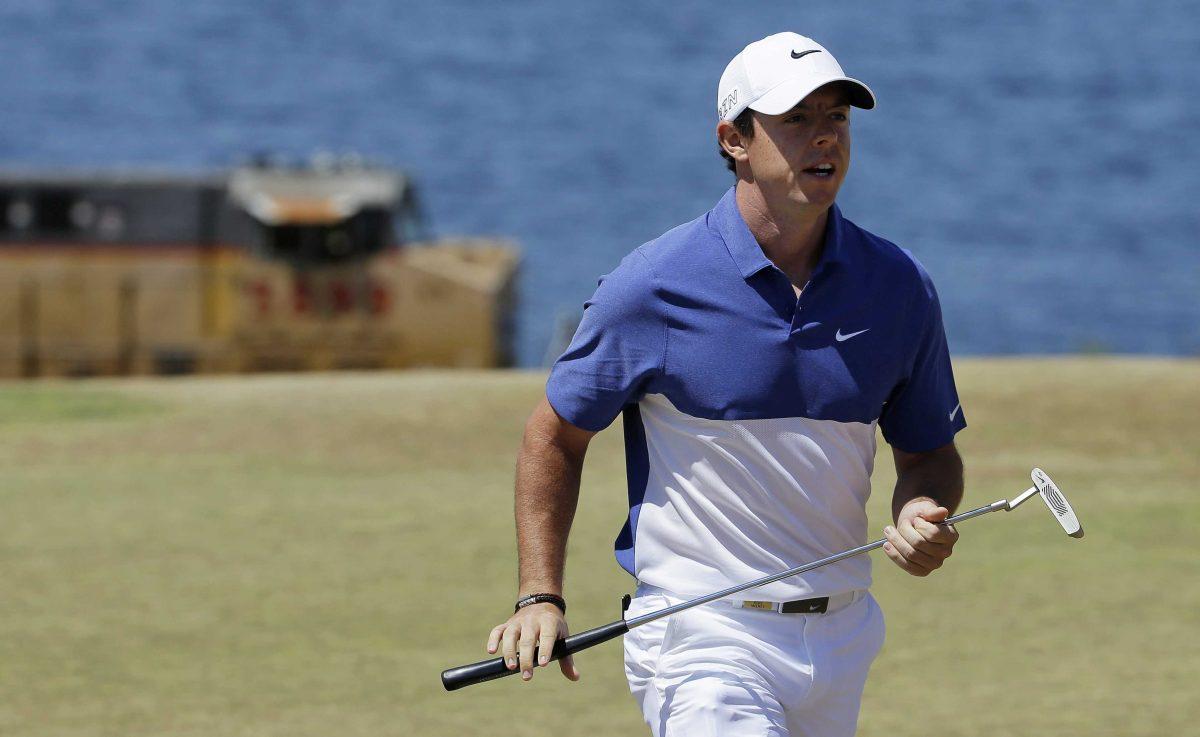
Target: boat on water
[261, 268]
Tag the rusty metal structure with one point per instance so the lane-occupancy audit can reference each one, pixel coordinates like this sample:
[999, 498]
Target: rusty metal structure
[262, 268]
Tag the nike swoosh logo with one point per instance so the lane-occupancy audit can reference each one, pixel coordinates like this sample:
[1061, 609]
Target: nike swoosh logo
[955, 412]
[841, 337]
[804, 53]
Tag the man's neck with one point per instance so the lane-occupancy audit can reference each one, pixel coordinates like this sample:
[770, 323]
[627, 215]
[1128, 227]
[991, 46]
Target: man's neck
[792, 239]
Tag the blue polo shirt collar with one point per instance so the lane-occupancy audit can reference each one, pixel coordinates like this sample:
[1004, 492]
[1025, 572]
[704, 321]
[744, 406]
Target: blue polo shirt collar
[749, 256]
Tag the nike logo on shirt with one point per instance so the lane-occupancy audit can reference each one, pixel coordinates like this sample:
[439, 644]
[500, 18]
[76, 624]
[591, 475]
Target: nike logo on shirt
[839, 337]
[955, 411]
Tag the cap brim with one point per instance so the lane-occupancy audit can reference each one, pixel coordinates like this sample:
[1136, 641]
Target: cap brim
[788, 94]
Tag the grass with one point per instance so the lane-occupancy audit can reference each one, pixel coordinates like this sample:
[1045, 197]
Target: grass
[302, 555]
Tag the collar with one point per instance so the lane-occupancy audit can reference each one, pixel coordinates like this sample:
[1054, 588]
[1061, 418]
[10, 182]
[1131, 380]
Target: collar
[749, 256]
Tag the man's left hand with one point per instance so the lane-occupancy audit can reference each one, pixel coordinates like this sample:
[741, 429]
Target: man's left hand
[917, 543]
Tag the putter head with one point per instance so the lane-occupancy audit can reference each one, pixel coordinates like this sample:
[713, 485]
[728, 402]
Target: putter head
[1057, 503]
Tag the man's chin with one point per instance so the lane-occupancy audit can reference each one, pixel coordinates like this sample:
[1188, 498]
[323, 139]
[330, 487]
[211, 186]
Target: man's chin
[821, 196]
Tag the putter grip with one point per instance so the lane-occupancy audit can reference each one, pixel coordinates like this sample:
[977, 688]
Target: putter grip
[487, 670]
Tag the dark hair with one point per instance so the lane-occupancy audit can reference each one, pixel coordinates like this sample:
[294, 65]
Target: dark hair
[744, 123]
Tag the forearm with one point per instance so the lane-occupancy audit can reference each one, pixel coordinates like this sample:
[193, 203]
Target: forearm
[547, 492]
[549, 465]
[937, 476]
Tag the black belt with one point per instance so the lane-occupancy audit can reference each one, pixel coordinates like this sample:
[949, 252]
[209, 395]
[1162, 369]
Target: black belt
[818, 605]
[815, 605]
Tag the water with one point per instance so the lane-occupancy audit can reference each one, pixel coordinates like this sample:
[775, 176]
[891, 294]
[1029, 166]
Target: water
[1039, 158]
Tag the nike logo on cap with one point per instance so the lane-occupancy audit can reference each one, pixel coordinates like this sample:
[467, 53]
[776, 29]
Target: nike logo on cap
[804, 53]
[839, 337]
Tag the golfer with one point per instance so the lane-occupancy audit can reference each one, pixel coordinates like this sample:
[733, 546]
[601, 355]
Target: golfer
[751, 353]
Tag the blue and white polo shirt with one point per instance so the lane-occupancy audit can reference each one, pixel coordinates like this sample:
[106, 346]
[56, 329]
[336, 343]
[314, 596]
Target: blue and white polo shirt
[750, 415]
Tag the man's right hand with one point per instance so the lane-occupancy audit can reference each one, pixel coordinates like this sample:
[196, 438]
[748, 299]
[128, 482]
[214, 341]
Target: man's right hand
[537, 625]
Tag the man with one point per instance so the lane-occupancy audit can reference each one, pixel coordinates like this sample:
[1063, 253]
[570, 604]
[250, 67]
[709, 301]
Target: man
[752, 353]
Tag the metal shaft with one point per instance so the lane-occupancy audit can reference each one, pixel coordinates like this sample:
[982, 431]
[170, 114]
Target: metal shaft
[668, 611]
[487, 670]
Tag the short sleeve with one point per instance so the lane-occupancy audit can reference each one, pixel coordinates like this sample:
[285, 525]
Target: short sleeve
[617, 349]
[923, 412]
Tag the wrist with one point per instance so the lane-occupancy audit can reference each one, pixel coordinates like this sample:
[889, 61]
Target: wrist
[914, 503]
[545, 598]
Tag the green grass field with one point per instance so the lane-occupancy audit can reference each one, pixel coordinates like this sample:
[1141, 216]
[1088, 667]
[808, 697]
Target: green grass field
[302, 555]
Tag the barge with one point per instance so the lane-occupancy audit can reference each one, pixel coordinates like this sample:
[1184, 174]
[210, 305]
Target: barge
[262, 268]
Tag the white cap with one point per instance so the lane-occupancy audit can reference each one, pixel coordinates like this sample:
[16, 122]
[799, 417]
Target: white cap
[774, 74]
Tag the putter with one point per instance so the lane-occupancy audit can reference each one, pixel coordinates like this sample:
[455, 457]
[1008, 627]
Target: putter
[487, 670]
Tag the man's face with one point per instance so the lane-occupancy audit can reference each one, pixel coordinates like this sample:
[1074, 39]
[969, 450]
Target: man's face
[802, 155]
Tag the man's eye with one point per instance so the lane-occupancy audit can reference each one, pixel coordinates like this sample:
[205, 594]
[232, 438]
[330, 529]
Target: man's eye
[840, 116]
[796, 119]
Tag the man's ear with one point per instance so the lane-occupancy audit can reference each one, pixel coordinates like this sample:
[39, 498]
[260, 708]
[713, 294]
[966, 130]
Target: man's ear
[732, 141]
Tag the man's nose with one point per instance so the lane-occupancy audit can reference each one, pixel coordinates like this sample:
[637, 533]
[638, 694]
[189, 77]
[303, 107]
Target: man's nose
[827, 135]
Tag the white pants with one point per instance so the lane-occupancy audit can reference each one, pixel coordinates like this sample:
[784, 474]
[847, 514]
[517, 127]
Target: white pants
[717, 671]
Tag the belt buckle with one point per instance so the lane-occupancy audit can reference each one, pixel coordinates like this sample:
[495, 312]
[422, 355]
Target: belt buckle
[766, 606]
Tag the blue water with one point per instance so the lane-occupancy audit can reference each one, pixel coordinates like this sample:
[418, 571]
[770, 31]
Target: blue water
[1039, 158]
